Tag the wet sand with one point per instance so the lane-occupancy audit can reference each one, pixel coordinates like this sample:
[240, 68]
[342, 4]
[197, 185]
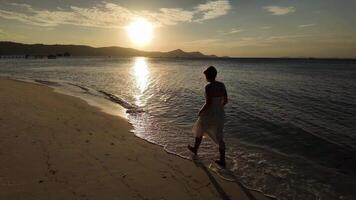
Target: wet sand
[54, 146]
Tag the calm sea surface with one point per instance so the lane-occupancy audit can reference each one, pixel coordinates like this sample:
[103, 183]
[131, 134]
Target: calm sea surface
[291, 124]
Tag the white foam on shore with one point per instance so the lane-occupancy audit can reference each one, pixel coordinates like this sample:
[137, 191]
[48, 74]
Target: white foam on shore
[90, 96]
[104, 104]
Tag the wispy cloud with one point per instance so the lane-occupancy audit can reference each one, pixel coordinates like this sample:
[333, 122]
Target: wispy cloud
[209, 41]
[4, 35]
[267, 41]
[266, 27]
[305, 25]
[110, 15]
[278, 10]
[253, 41]
[232, 31]
[285, 37]
[212, 9]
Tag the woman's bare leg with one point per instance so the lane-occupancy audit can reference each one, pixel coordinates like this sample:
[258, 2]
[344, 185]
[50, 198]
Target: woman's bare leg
[221, 162]
[196, 145]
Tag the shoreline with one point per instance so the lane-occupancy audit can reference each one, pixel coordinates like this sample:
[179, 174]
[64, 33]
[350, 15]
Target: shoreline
[55, 143]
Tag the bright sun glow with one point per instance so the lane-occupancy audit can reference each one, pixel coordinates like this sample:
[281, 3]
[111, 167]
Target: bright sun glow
[140, 31]
[141, 74]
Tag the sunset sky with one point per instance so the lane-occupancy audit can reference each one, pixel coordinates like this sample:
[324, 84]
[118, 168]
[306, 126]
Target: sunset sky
[241, 28]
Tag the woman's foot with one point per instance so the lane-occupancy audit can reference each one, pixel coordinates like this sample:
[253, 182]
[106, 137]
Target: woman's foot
[192, 149]
[220, 163]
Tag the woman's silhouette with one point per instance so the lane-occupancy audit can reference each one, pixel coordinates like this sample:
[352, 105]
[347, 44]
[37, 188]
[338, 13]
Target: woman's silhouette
[211, 115]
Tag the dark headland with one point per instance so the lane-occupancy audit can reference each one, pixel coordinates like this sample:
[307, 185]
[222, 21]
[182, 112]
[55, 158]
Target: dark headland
[18, 49]
[10, 49]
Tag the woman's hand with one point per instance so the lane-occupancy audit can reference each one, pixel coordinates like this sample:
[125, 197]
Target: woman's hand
[200, 112]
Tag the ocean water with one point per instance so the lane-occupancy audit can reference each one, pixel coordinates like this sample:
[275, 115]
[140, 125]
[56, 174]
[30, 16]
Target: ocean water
[290, 129]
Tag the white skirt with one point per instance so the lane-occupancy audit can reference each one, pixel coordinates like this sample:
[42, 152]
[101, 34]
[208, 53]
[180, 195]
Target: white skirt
[210, 123]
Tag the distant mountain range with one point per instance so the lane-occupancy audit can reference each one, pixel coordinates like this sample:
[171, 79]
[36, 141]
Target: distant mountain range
[13, 48]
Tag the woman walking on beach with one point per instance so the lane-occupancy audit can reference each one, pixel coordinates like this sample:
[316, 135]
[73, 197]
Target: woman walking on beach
[211, 116]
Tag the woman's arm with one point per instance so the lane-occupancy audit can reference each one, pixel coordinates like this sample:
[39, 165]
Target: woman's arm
[225, 96]
[207, 101]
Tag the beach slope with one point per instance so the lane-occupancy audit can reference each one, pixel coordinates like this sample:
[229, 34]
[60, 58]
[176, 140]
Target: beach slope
[54, 146]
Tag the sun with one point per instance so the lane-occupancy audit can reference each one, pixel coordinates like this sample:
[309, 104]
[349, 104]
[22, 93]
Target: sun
[140, 31]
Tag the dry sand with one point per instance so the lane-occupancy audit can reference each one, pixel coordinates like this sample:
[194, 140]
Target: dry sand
[54, 146]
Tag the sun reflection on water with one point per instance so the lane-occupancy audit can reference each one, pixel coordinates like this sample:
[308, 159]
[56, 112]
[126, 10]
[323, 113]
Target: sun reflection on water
[141, 74]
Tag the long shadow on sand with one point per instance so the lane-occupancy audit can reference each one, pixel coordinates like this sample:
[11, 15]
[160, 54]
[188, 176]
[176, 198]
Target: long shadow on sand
[217, 186]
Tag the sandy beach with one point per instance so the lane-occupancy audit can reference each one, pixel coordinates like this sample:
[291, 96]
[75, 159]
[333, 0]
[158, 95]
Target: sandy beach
[54, 146]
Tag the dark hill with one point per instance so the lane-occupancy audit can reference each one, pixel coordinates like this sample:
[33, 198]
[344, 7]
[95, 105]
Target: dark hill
[12, 48]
